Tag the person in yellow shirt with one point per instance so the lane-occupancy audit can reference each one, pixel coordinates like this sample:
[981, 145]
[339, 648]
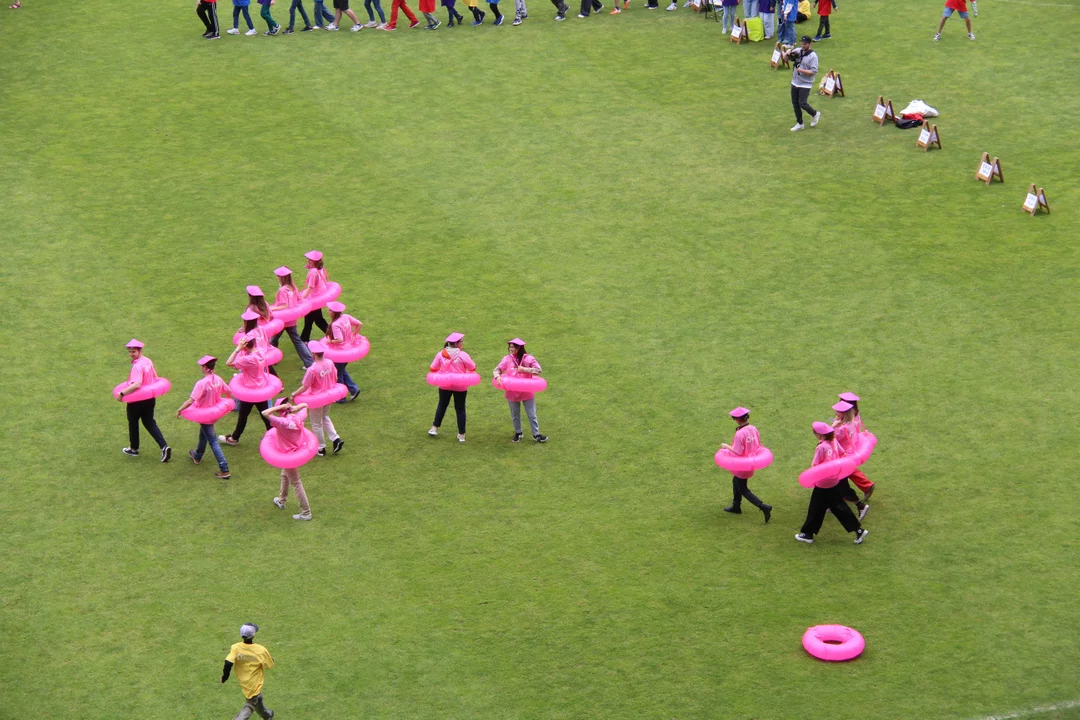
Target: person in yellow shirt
[249, 659]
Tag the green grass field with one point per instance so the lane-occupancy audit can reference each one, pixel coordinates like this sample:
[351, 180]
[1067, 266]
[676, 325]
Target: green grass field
[623, 193]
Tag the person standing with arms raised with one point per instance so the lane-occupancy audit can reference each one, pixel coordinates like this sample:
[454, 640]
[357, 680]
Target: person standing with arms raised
[746, 442]
[451, 359]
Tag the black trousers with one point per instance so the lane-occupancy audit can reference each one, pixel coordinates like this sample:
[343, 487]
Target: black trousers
[245, 408]
[315, 317]
[823, 25]
[800, 101]
[207, 12]
[823, 499]
[143, 411]
[739, 490]
[459, 407]
[596, 5]
[560, 6]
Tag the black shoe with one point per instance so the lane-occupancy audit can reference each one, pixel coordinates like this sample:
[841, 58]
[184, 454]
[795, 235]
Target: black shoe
[215, 36]
[288, 31]
[733, 510]
[130, 453]
[166, 454]
[860, 535]
[338, 444]
[540, 438]
[767, 509]
[355, 394]
[306, 29]
[276, 30]
[516, 438]
[321, 452]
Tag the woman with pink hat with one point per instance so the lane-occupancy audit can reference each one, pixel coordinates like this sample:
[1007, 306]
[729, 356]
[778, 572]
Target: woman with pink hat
[251, 326]
[314, 284]
[289, 296]
[206, 393]
[825, 499]
[747, 440]
[451, 359]
[847, 435]
[320, 377]
[249, 360]
[518, 362]
[142, 373]
[343, 330]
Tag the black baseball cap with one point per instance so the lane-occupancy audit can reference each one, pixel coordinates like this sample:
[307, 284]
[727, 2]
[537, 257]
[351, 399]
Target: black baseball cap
[807, 39]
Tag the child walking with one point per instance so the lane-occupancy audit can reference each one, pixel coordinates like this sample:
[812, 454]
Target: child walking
[297, 5]
[271, 24]
[321, 13]
[494, 6]
[427, 8]
[454, 15]
[521, 12]
[825, 8]
[400, 5]
[477, 13]
[371, 15]
[241, 6]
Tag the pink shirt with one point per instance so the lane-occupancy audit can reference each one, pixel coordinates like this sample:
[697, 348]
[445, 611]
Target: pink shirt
[290, 429]
[287, 296]
[746, 442]
[507, 366]
[827, 451]
[253, 367]
[458, 362]
[142, 371]
[207, 391]
[847, 435]
[316, 281]
[342, 329]
[320, 376]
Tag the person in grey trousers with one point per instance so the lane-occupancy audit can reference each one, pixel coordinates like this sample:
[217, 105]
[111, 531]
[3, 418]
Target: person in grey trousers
[518, 363]
[805, 63]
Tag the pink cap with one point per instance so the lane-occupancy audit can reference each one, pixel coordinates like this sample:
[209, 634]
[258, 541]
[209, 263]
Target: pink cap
[133, 343]
[316, 347]
[454, 337]
[313, 255]
[842, 406]
[250, 314]
[518, 341]
[849, 397]
[251, 336]
[254, 291]
[335, 306]
[822, 428]
[283, 271]
[206, 358]
[739, 412]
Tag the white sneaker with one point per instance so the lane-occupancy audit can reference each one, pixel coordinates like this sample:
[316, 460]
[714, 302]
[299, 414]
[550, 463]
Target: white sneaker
[815, 119]
[433, 432]
[380, 26]
[356, 28]
[302, 516]
[971, 36]
[279, 502]
[371, 24]
[331, 26]
[672, 7]
[937, 37]
[461, 438]
[860, 535]
[802, 538]
[252, 31]
[862, 513]
[797, 128]
[233, 31]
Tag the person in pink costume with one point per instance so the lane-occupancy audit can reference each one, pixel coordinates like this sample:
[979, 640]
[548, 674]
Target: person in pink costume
[747, 440]
[142, 373]
[288, 296]
[321, 376]
[208, 392]
[451, 359]
[314, 284]
[518, 362]
[343, 331]
[288, 420]
[847, 436]
[858, 477]
[257, 303]
[249, 360]
[262, 340]
[828, 499]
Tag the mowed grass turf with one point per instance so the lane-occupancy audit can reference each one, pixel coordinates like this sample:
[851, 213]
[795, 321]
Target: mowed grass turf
[625, 195]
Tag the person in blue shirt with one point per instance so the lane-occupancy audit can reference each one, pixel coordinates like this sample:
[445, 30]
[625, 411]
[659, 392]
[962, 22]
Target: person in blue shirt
[241, 6]
[789, 14]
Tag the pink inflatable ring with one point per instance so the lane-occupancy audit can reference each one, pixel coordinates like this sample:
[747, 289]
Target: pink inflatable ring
[244, 393]
[519, 383]
[453, 381]
[297, 311]
[324, 398]
[864, 446]
[154, 389]
[834, 643]
[209, 415]
[273, 454]
[761, 458]
[316, 302]
[357, 350]
[271, 354]
[827, 474]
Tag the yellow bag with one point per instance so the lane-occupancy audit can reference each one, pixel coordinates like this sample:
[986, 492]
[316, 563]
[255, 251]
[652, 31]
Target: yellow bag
[755, 29]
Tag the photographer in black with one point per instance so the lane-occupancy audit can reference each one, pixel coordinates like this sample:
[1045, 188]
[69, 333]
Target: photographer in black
[805, 62]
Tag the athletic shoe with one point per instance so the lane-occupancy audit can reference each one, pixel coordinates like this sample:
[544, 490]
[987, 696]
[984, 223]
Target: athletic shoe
[971, 36]
[371, 24]
[381, 26]
[433, 432]
[218, 37]
[288, 31]
[276, 30]
[388, 28]
[540, 438]
[321, 452]
[560, 18]
[516, 438]
[306, 28]
[582, 16]
[816, 119]
[356, 28]
[338, 444]
[827, 36]
[342, 401]
[862, 513]
[474, 23]
[233, 31]
[803, 538]
[672, 7]
[196, 460]
[414, 24]
[517, 21]
[797, 128]
[616, 11]
[937, 37]
[499, 20]
[130, 453]
[222, 475]
[767, 509]
[166, 454]
[733, 510]
[252, 31]
[460, 438]
[301, 516]
[279, 502]
[268, 33]
[228, 440]
[331, 27]
[860, 535]
[317, 27]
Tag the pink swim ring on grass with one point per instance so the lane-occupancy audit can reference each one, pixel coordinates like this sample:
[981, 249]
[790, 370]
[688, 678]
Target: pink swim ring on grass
[457, 382]
[208, 415]
[158, 387]
[323, 398]
[827, 474]
[864, 446]
[519, 383]
[242, 392]
[761, 458]
[272, 453]
[318, 301]
[833, 643]
[347, 353]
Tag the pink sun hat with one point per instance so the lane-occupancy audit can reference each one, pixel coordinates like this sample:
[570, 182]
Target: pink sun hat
[739, 412]
[249, 314]
[206, 358]
[842, 406]
[314, 255]
[822, 428]
[283, 271]
[518, 341]
[849, 397]
[335, 306]
[454, 337]
[316, 347]
[254, 291]
[133, 343]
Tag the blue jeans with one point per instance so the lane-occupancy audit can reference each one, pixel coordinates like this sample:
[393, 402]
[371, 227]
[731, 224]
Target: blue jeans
[343, 377]
[787, 33]
[237, 9]
[301, 347]
[378, 7]
[750, 9]
[728, 18]
[321, 13]
[297, 5]
[207, 436]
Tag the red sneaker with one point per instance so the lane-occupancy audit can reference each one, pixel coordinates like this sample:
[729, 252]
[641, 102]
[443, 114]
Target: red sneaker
[413, 24]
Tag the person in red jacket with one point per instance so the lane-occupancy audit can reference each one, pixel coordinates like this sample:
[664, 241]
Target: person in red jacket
[951, 6]
[825, 8]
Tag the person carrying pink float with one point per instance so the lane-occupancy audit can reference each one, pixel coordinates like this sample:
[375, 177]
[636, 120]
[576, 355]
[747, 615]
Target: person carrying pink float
[314, 285]
[847, 436]
[321, 378]
[343, 330]
[519, 363]
[264, 322]
[288, 421]
[141, 376]
[855, 419]
[746, 442]
[451, 359]
[251, 364]
[207, 392]
[251, 320]
[824, 499]
[288, 298]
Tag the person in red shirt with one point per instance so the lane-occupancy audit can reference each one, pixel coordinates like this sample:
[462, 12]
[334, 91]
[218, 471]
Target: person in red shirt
[824, 11]
[951, 6]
